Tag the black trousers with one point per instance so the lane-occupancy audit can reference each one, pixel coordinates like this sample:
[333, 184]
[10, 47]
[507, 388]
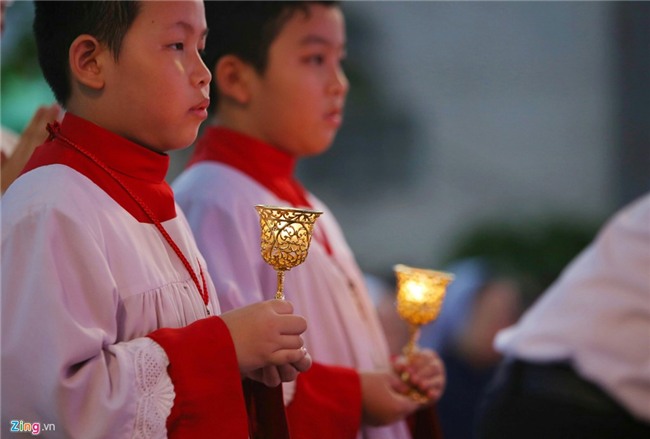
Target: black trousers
[550, 401]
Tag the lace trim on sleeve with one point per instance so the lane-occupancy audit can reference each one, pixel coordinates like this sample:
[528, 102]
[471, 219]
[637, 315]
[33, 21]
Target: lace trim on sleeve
[156, 390]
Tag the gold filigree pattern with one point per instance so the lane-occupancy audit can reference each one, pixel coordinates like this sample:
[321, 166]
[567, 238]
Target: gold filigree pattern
[420, 294]
[285, 238]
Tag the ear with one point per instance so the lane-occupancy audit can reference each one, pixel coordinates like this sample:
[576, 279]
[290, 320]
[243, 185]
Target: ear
[86, 59]
[234, 78]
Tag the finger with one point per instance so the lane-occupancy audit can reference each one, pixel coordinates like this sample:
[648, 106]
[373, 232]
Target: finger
[271, 376]
[281, 306]
[434, 389]
[287, 372]
[304, 364]
[290, 342]
[36, 126]
[423, 358]
[292, 325]
[400, 386]
[286, 356]
[35, 130]
[408, 404]
[423, 374]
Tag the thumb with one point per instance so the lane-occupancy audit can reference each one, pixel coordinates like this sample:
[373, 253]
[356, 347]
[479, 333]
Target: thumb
[281, 306]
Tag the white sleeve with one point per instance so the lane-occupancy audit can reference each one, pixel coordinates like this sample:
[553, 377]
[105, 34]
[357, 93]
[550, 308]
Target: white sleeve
[62, 364]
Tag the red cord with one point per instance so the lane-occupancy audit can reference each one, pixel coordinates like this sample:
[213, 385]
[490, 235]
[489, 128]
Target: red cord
[53, 129]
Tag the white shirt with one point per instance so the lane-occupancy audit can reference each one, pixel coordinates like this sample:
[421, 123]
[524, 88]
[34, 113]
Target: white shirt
[597, 315]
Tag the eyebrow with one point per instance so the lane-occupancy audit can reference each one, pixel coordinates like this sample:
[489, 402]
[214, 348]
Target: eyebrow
[317, 39]
[188, 27]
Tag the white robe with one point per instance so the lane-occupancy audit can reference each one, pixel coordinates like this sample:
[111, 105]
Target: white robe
[328, 290]
[77, 303]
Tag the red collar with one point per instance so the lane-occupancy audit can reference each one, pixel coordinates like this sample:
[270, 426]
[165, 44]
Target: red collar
[141, 169]
[262, 162]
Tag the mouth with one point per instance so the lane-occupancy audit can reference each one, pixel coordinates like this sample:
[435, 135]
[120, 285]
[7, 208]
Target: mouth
[335, 117]
[201, 109]
[205, 103]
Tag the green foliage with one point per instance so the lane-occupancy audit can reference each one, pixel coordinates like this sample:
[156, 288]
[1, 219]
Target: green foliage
[535, 253]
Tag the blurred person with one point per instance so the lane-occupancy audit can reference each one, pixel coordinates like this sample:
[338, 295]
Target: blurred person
[279, 90]
[577, 364]
[478, 303]
[16, 149]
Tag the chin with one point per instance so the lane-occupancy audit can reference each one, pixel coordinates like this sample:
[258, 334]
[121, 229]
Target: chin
[174, 145]
[320, 147]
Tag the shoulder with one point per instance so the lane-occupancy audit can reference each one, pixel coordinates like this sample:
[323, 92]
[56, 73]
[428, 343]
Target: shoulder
[635, 216]
[53, 191]
[219, 186]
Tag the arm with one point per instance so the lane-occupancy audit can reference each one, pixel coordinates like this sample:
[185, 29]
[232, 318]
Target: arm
[61, 360]
[34, 135]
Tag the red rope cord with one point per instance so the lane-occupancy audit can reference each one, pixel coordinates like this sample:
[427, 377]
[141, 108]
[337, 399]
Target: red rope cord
[54, 132]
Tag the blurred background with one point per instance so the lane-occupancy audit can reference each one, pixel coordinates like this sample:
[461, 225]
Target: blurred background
[510, 130]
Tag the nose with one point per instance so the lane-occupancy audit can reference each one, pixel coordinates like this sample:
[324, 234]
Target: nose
[339, 84]
[202, 74]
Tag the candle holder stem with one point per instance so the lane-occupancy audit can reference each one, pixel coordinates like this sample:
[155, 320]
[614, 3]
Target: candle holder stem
[280, 293]
[411, 346]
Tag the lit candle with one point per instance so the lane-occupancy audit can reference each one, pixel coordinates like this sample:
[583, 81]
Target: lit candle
[415, 291]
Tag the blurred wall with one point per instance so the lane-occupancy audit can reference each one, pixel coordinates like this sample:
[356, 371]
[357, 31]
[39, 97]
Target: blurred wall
[511, 110]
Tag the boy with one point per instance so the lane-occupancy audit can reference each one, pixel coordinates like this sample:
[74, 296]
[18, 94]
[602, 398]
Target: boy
[280, 92]
[108, 312]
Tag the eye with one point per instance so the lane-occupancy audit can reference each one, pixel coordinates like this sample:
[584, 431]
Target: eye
[317, 60]
[177, 46]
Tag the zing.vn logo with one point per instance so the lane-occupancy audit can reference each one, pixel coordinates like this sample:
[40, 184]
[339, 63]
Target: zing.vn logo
[34, 428]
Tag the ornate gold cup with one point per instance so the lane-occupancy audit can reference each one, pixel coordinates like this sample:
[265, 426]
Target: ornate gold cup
[420, 293]
[285, 239]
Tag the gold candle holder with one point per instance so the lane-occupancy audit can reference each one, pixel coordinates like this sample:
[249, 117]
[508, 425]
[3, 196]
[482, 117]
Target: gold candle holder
[420, 293]
[285, 239]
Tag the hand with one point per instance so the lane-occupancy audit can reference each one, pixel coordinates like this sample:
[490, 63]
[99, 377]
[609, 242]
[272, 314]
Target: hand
[267, 334]
[34, 135]
[425, 372]
[382, 405]
[274, 375]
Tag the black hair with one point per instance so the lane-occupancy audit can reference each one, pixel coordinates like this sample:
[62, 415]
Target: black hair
[58, 23]
[246, 29]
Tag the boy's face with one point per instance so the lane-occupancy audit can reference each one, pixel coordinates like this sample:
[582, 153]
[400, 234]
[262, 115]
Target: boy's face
[157, 90]
[297, 104]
